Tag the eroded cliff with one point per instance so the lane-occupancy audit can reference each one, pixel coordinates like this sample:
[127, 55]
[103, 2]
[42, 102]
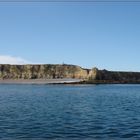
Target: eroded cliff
[105, 76]
[49, 71]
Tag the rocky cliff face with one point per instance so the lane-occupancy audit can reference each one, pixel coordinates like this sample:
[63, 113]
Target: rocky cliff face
[104, 76]
[49, 71]
[42, 71]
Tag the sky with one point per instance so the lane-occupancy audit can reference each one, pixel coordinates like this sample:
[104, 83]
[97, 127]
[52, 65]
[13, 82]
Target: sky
[103, 35]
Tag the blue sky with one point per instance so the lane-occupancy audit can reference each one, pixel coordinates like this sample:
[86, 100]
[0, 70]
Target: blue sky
[105, 35]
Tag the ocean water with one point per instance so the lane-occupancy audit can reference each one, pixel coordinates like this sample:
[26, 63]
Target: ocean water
[69, 112]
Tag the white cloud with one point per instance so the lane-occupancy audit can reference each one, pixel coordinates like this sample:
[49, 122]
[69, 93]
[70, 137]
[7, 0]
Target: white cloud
[6, 59]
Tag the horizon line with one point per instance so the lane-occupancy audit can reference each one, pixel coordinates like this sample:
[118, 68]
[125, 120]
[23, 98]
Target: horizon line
[70, 1]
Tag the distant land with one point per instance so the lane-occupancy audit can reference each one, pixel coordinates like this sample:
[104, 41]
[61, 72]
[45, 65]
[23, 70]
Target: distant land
[50, 73]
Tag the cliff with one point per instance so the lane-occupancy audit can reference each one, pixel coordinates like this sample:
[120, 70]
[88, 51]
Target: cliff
[49, 71]
[104, 76]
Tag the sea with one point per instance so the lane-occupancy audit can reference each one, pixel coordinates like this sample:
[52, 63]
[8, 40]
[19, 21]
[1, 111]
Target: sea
[69, 112]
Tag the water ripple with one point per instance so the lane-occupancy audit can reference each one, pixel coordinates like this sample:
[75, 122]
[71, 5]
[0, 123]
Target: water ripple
[69, 112]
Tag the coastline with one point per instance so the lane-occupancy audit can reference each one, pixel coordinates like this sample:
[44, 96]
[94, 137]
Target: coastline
[63, 74]
[62, 81]
[40, 81]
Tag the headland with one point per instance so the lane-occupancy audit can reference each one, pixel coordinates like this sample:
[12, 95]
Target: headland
[50, 73]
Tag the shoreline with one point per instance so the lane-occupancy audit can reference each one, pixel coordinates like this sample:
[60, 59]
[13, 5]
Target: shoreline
[62, 81]
[40, 81]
